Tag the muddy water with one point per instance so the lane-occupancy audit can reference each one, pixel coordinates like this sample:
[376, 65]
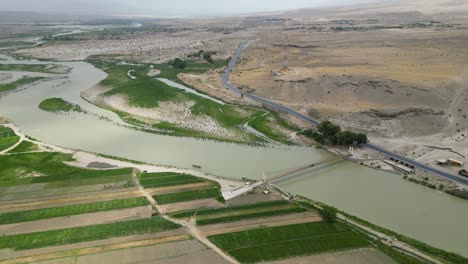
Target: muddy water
[380, 197]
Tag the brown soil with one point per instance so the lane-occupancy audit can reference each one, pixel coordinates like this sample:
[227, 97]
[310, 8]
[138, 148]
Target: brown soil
[358, 256]
[76, 220]
[281, 220]
[204, 203]
[254, 198]
[96, 250]
[187, 251]
[92, 244]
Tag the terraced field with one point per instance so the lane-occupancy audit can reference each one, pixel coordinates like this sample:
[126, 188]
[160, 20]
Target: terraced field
[23, 216]
[213, 192]
[236, 213]
[286, 241]
[86, 233]
[164, 179]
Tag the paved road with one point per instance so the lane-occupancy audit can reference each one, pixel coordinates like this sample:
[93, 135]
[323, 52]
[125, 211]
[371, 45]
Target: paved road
[280, 107]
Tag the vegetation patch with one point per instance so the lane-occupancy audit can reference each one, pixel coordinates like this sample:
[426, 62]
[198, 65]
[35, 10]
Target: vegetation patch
[23, 81]
[57, 105]
[164, 179]
[8, 138]
[287, 241]
[44, 68]
[24, 146]
[327, 132]
[265, 122]
[5, 44]
[213, 192]
[48, 167]
[16, 217]
[86, 233]
[148, 92]
[190, 213]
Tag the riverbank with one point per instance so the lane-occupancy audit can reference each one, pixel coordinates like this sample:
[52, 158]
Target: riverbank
[83, 159]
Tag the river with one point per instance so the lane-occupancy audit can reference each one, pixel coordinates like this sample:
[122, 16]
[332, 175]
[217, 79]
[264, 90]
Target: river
[380, 197]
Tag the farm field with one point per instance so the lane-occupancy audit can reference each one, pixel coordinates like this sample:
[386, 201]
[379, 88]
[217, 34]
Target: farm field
[164, 179]
[85, 233]
[23, 216]
[237, 213]
[23, 81]
[287, 241]
[8, 138]
[213, 192]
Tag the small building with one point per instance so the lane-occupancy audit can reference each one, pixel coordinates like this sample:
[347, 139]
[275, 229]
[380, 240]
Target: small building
[449, 162]
[454, 162]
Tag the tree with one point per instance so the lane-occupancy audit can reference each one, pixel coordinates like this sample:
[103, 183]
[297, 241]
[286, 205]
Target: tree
[328, 129]
[179, 64]
[345, 138]
[361, 138]
[328, 214]
[207, 57]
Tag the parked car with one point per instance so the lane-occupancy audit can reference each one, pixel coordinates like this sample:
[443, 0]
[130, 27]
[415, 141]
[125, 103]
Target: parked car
[463, 173]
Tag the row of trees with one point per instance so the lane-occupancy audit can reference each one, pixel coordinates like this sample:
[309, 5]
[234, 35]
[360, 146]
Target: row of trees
[178, 64]
[206, 55]
[327, 132]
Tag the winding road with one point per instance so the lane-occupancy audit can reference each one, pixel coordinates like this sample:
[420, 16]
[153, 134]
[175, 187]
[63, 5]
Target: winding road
[309, 120]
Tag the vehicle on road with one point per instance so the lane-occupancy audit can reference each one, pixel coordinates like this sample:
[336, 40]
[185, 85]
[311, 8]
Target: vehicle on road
[463, 173]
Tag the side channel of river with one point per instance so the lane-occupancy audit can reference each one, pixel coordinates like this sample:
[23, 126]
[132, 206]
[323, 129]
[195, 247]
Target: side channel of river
[379, 197]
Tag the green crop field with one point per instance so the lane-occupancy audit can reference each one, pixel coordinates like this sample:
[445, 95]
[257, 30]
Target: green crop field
[236, 213]
[155, 180]
[24, 146]
[287, 241]
[190, 213]
[20, 169]
[18, 83]
[8, 138]
[187, 196]
[58, 105]
[85, 233]
[247, 215]
[23, 216]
